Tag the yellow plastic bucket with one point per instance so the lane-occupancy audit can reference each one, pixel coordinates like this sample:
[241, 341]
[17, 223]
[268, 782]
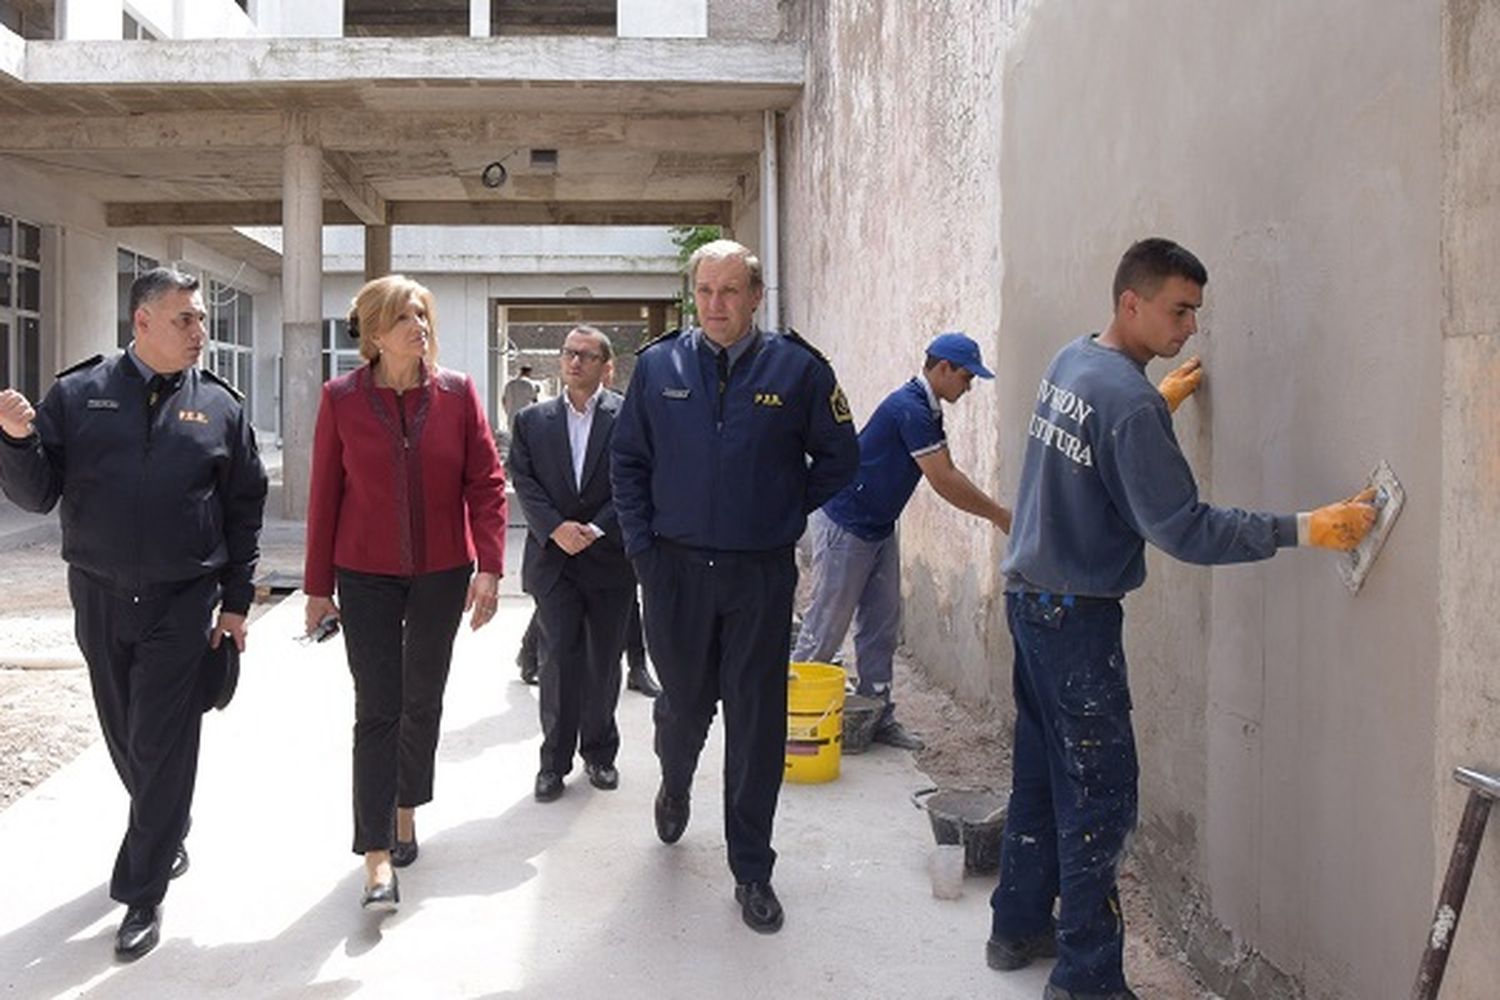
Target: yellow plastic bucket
[814, 722]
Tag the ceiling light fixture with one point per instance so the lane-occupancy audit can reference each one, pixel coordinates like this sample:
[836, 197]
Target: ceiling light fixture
[493, 175]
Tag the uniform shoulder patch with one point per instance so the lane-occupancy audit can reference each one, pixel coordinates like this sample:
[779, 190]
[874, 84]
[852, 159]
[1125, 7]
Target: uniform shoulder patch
[653, 341]
[839, 404]
[219, 380]
[80, 366]
[797, 338]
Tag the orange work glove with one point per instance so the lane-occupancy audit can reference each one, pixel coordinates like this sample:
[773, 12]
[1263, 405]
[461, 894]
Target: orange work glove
[1181, 382]
[1339, 526]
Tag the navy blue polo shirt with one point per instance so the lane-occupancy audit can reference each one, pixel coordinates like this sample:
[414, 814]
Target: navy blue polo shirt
[905, 426]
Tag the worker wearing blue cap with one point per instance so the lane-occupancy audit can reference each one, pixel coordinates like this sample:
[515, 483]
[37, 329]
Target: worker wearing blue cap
[856, 563]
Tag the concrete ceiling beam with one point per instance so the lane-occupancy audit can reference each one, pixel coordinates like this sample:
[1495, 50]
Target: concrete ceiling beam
[356, 132]
[538, 60]
[429, 213]
[341, 174]
[212, 213]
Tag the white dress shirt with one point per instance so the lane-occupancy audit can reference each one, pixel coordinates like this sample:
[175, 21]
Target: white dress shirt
[580, 424]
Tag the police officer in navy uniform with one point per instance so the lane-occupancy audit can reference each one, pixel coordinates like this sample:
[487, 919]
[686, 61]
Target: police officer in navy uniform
[728, 438]
[162, 495]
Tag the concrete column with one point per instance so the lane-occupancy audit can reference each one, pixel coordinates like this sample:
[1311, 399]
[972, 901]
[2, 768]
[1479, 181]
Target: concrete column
[302, 305]
[479, 18]
[377, 252]
[770, 229]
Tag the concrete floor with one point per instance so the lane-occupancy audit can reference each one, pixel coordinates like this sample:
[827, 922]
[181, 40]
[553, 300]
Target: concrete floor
[510, 898]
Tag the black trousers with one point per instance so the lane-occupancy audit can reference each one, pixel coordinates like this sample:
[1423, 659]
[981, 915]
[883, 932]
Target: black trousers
[584, 631]
[398, 631]
[143, 653]
[719, 628]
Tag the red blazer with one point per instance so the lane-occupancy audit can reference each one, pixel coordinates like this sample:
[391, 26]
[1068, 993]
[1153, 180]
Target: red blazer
[402, 485]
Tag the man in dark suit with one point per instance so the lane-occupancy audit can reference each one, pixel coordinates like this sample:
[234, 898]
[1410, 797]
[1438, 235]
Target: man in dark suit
[574, 564]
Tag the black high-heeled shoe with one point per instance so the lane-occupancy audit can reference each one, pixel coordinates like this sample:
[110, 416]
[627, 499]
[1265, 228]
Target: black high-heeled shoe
[382, 897]
[404, 853]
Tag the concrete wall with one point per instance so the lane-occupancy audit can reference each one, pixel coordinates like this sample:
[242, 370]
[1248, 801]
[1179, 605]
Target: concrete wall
[760, 19]
[1468, 709]
[891, 214]
[988, 179]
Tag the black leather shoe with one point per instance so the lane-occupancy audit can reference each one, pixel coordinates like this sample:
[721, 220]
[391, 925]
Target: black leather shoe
[759, 906]
[179, 862]
[639, 680]
[404, 853]
[603, 776]
[382, 897]
[138, 933]
[549, 785]
[528, 672]
[1050, 992]
[1006, 956]
[672, 812]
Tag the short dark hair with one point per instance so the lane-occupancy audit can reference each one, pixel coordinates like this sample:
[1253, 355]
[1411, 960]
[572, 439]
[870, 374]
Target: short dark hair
[606, 348]
[1150, 262]
[157, 282]
[930, 362]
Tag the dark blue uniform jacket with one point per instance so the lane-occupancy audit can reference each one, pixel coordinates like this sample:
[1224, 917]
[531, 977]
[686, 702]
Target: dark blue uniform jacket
[737, 472]
[146, 500]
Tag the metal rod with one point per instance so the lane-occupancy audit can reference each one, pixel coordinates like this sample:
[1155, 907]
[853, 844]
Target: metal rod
[1451, 899]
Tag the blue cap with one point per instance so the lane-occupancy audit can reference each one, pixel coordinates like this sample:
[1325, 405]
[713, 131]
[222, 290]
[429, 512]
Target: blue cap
[959, 349]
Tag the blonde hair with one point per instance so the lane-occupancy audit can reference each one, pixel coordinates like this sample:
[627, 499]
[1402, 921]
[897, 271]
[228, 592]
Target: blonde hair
[378, 304]
[720, 250]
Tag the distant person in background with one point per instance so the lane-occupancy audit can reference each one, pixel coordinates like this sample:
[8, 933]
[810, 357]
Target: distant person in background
[519, 393]
[406, 492]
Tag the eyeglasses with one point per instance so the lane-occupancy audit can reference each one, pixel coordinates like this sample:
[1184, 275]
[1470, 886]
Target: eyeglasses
[568, 354]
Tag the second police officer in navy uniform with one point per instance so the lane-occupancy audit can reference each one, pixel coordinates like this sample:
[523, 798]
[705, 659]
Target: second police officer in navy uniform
[728, 438]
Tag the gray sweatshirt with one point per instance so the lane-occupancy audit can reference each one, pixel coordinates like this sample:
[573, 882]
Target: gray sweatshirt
[1103, 475]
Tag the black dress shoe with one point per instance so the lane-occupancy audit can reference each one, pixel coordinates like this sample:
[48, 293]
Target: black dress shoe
[639, 680]
[603, 776]
[528, 672]
[404, 853]
[138, 933]
[549, 785]
[1004, 955]
[759, 906]
[382, 897]
[179, 862]
[672, 812]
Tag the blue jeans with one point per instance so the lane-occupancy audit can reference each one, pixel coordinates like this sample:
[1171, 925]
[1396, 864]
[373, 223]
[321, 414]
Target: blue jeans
[853, 580]
[1073, 792]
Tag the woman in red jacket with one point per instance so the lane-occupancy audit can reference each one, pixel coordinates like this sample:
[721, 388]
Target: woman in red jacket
[406, 492]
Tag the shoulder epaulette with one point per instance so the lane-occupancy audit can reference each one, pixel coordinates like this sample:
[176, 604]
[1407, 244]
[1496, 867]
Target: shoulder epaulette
[219, 380]
[658, 339]
[797, 338]
[85, 363]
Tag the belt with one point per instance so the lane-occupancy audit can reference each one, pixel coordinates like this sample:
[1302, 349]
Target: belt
[132, 591]
[699, 552]
[1065, 600]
